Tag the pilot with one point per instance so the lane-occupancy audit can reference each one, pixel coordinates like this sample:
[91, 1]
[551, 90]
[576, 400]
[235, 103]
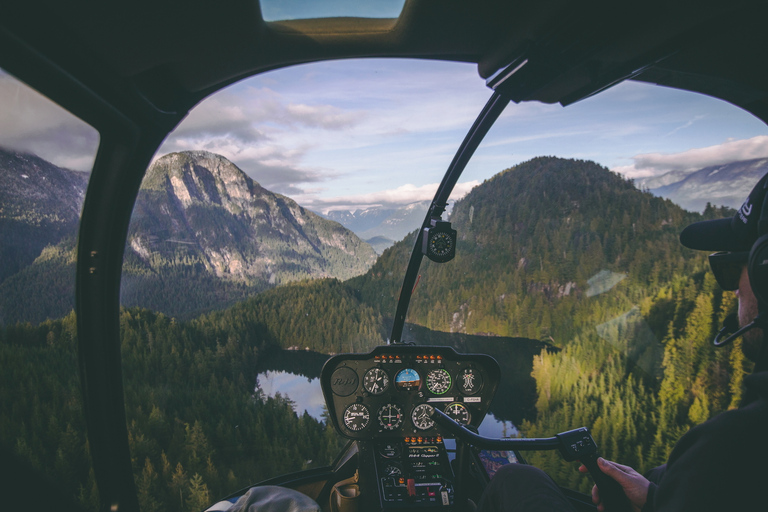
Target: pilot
[721, 464]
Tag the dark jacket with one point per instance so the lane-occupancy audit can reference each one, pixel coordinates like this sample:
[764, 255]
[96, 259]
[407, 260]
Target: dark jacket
[722, 464]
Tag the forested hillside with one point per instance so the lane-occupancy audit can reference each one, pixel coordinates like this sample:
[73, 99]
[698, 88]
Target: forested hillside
[197, 429]
[557, 250]
[568, 252]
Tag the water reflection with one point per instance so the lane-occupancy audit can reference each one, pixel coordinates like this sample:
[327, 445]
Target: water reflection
[491, 427]
[307, 395]
[304, 392]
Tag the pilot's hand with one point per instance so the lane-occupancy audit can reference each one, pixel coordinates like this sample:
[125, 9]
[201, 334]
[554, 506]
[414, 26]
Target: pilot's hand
[634, 484]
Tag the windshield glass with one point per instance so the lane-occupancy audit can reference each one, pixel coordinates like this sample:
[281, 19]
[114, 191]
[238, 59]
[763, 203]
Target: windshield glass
[45, 156]
[568, 269]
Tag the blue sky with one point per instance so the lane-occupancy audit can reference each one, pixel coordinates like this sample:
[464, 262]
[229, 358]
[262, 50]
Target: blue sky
[348, 134]
[355, 133]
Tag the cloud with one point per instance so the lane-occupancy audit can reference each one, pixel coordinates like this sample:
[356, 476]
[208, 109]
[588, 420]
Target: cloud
[243, 124]
[656, 164]
[31, 123]
[685, 125]
[400, 196]
[323, 116]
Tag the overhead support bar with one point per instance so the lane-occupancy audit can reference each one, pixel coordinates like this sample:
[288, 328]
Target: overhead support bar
[490, 113]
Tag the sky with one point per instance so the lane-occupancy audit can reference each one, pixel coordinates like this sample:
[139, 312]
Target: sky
[357, 133]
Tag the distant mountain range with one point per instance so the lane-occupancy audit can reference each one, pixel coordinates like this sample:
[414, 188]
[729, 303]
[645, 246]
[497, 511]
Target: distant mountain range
[203, 235]
[381, 227]
[721, 185]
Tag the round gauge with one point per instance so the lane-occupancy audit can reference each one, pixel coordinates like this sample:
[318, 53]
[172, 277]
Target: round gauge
[408, 379]
[390, 416]
[440, 243]
[439, 381]
[376, 381]
[422, 417]
[470, 381]
[356, 417]
[393, 470]
[390, 450]
[458, 412]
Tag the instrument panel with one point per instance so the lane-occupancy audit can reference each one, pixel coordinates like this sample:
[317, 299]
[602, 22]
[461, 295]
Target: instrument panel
[391, 391]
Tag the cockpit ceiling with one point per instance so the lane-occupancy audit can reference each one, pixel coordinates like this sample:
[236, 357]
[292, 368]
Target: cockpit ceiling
[172, 53]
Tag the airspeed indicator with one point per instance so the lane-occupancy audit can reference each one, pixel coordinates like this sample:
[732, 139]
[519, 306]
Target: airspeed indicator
[439, 381]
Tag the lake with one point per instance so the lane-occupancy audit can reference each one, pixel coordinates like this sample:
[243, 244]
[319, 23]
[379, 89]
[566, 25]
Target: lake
[295, 374]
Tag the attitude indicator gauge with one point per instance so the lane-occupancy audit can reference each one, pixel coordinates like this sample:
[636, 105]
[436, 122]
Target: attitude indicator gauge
[390, 417]
[408, 379]
[356, 417]
[458, 412]
[439, 381]
[376, 381]
[422, 417]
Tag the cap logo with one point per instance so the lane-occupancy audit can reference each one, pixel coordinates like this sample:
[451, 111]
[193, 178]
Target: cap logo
[744, 212]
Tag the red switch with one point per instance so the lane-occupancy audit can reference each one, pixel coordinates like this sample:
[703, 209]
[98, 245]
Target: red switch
[411, 487]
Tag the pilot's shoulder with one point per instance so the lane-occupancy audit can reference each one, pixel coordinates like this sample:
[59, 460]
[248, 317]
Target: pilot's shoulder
[737, 428]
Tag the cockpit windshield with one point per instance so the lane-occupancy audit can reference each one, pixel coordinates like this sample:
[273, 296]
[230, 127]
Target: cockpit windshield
[272, 233]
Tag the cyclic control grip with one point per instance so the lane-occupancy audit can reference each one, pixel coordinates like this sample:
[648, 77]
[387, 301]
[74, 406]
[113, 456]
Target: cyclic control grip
[579, 445]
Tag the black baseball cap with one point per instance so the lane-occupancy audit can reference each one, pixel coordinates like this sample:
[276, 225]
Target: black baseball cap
[733, 234]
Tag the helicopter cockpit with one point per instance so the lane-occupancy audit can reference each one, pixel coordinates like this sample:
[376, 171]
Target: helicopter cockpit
[553, 302]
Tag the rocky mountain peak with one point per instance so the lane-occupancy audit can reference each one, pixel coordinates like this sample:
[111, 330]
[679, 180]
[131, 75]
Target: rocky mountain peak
[198, 208]
[202, 177]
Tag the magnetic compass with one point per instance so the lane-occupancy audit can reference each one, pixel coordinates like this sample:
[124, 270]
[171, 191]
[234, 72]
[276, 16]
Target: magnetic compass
[439, 241]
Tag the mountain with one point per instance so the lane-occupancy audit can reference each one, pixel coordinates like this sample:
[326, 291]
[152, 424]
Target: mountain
[379, 243]
[527, 267]
[203, 236]
[40, 204]
[383, 223]
[724, 185]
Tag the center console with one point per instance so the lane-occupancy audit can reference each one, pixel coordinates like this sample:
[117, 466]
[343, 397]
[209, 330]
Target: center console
[384, 400]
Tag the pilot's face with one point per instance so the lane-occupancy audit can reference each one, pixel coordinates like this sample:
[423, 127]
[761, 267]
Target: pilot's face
[747, 312]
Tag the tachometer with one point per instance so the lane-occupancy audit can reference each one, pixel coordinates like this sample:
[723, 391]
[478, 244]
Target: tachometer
[408, 379]
[390, 416]
[422, 417]
[458, 412]
[356, 417]
[376, 381]
[438, 381]
[470, 381]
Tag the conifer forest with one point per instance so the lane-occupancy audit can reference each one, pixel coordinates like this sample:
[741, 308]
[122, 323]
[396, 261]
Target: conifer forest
[560, 251]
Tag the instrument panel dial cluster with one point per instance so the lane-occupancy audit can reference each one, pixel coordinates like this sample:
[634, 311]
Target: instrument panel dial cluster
[392, 391]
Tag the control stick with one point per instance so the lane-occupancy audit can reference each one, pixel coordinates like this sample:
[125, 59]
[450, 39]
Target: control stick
[573, 445]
